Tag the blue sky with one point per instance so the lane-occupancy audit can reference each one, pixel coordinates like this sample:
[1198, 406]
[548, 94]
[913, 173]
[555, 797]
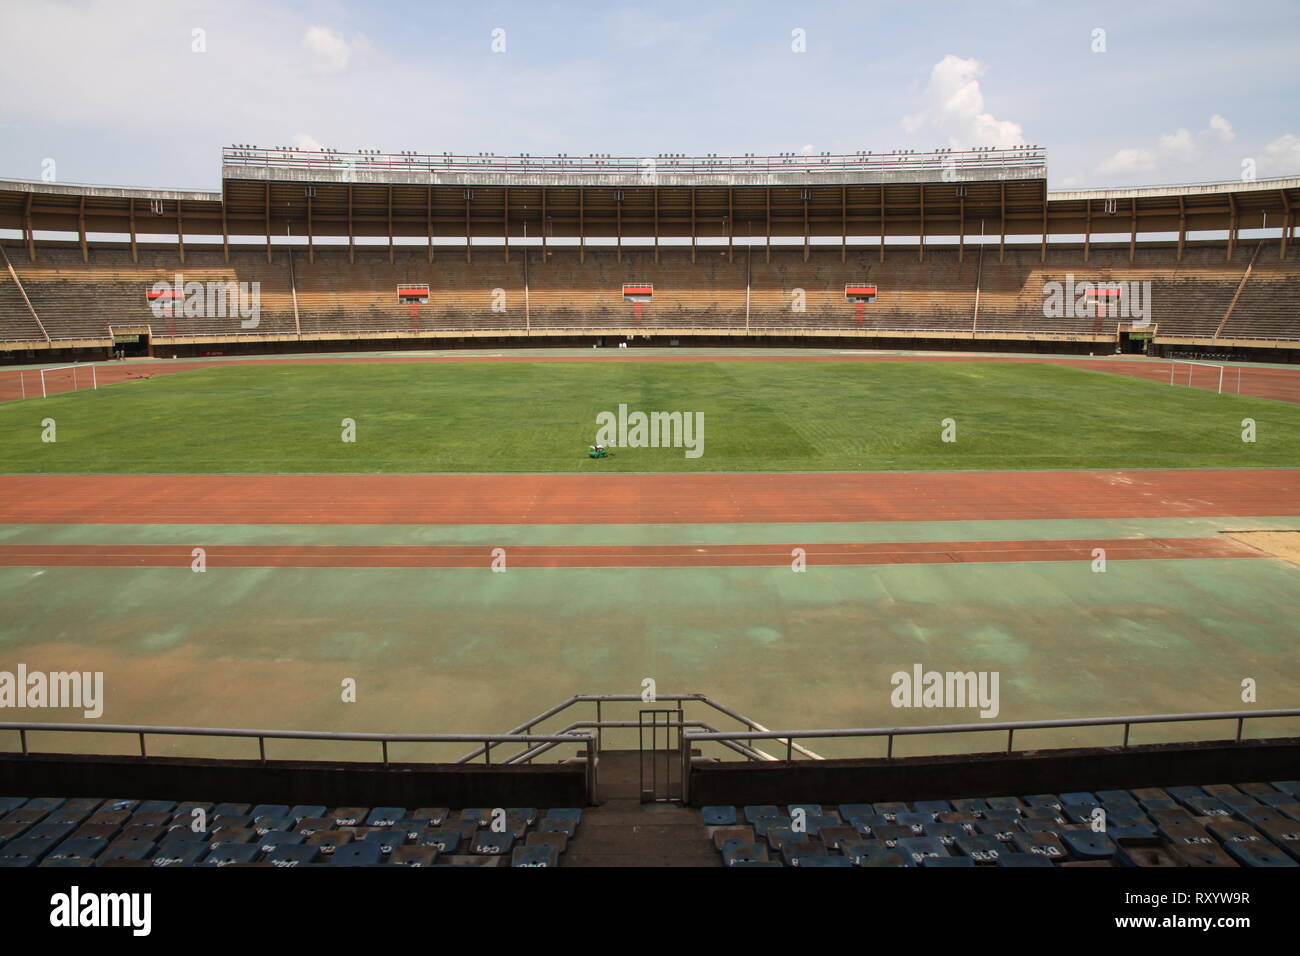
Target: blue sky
[114, 92]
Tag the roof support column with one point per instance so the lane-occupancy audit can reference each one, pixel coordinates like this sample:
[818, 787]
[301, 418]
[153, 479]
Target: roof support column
[1289, 224]
[961, 225]
[351, 245]
[656, 225]
[1087, 232]
[768, 237]
[844, 223]
[428, 219]
[1133, 235]
[1002, 236]
[1182, 226]
[225, 230]
[81, 229]
[390, 225]
[180, 232]
[731, 223]
[1042, 255]
[30, 234]
[807, 229]
[693, 236]
[311, 231]
[505, 224]
[582, 224]
[131, 213]
[469, 245]
[882, 222]
[266, 209]
[920, 239]
[1232, 231]
[618, 226]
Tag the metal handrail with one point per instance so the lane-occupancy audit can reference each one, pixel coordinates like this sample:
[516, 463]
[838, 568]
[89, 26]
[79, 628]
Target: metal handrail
[292, 158]
[1240, 716]
[141, 731]
[526, 755]
[599, 699]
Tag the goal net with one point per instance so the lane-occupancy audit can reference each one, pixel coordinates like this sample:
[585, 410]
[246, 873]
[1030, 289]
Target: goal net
[1196, 375]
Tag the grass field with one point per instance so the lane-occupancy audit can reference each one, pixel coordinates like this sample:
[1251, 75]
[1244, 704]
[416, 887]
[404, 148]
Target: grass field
[533, 417]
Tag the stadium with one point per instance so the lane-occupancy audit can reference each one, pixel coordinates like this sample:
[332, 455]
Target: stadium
[857, 509]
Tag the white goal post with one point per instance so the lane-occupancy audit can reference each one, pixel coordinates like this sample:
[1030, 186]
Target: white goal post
[94, 378]
[1173, 368]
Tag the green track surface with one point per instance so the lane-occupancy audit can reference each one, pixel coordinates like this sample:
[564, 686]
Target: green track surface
[473, 651]
[273, 417]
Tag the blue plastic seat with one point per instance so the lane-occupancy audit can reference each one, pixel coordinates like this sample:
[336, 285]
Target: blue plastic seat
[946, 833]
[921, 849]
[125, 851]
[385, 816]
[981, 848]
[294, 854]
[848, 810]
[916, 822]
[754, 813]
[305, 811]
[23, 852]
[970, 805]
[443, 839]
[224, 854]
[932, 807]
[388, 838]
[413, 856]
[179, 854]
[1038, 843]
[269, 841]
[534, 856]
[947, 861]
[1086, 845]
[1080, 798]
[86, 848]
[890, 811]
[357, 853]
[736, 852]
[565, 813]
[718, 816]
[1259, 855]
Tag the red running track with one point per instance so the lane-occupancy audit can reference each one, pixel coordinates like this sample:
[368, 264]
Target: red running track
[618, 556]
[645, 499]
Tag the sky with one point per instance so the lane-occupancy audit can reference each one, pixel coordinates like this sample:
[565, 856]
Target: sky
[145, 93]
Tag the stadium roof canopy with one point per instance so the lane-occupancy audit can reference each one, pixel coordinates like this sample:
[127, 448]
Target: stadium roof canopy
[307, 194]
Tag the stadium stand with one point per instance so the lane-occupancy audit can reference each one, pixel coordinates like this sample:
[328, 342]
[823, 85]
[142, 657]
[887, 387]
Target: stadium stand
[53, 831]
[337, 298]
[1216, 825]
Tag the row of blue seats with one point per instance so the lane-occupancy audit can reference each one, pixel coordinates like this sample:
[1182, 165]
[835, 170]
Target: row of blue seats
[1254, 824]
[52, 831]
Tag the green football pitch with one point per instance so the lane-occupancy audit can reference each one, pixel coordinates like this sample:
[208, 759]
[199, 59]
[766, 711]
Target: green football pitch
[541, 417]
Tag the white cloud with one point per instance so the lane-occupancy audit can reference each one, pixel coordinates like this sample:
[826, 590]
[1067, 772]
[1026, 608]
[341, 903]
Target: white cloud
[303, 141]
[1221, 128]
[955, 107]
[1129, 161]
[1176, 151]
[330, 52]
[1282, 156]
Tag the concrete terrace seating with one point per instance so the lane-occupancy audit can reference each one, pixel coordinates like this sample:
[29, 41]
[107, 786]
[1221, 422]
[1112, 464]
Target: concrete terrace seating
[1269, 306]
[1219, 825]
[565, 290]
[53, 831]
